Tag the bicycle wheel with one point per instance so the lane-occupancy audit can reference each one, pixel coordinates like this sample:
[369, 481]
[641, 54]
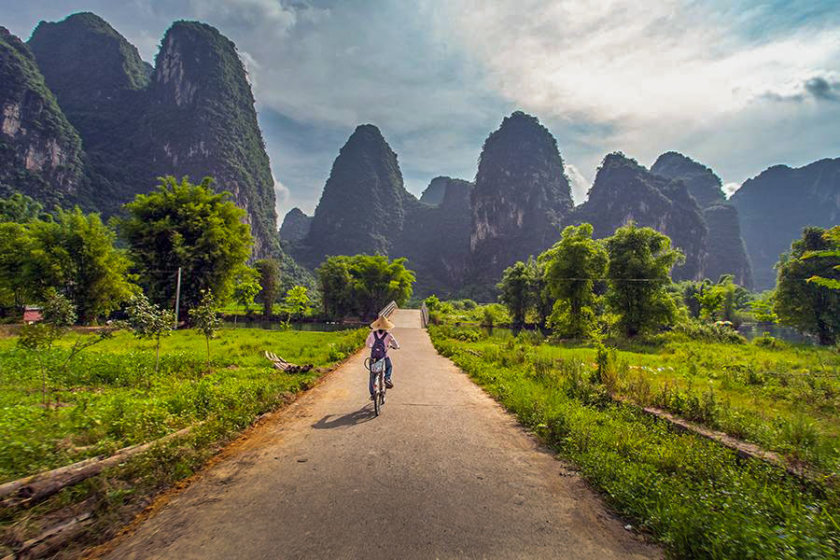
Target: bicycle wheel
[377, 406]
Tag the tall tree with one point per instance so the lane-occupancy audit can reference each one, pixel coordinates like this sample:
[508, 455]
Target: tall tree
[809, 306]
[363, 284]
[75, 255]
[833, 237]
[269, 271]
[573, 266]
[640, 263]
[21, 208]
[516, 291]
[180, 224]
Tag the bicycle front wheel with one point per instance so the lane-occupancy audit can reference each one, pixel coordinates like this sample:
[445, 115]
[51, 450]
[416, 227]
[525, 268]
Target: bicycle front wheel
[377, 405]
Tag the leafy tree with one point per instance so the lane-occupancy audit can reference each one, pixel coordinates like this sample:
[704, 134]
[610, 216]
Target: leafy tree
[15, 250]
[572, 267]
[516, 291]
[363, 284]
[762, 307]
[180, 224]
[39, 338]
[297, 302]
[640, 262]
[711, 301]
[148, 321]
[246, 286]
[812, 307]
[20, 208]
[269, 274]
[205, 319]
[75, 255]
[833, 237]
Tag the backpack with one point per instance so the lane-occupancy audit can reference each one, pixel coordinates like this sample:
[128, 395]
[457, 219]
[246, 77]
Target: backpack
[378, 351]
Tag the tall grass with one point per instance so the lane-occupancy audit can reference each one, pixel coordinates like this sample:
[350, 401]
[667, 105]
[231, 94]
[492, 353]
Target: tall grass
[698, 498]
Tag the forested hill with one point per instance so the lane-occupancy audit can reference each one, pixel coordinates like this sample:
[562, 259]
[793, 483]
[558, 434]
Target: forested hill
[40, 151]
[778, 203]
[192, 114]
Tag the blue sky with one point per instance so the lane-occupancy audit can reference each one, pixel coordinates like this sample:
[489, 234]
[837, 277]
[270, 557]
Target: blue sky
[739, 85]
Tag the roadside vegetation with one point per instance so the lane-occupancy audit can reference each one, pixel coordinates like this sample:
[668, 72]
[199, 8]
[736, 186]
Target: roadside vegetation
[597, 341]
[697, 497]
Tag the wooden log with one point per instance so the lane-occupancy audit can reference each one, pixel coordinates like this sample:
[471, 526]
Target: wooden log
[53, 539]
[34, 489]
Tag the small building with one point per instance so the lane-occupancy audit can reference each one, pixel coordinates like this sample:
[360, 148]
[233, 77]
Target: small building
[32, 314]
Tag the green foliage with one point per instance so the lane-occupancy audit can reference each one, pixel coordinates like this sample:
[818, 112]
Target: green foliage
[20, 208]
[700, 499]
[297, 302]
[573, 266]
[640, 262]
[188, 226]
[147, 320]
[269, 273]
[205, 319]
[246, 286]
[111, 396]
[516, 291]
[75, 254]
[762, 308]
[833, 237]
[809, 306]
[362, 285]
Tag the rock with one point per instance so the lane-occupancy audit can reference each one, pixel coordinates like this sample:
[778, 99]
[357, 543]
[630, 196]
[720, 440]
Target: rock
[521, 195]
[295, 226]
[776, 205]
[624, 190]
[725, 250]
[40, 151]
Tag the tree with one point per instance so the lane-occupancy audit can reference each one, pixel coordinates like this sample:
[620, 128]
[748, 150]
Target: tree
[269, 273]
[187, 226]
[38, 338]
[363, 284]
[572, 267]
[20, 208]
[148, 321]
[246, 287]
[811, 307]
[711, 301]
[75, 255]
[516, 291]
[833, 237]
[297, 301]
[15, 250]
[640, 263]
[205, 319]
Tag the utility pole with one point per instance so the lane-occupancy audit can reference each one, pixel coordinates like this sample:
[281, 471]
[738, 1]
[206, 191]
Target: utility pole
[177, 297]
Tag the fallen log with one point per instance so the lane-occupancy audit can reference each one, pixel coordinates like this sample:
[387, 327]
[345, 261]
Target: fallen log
[283, 365]
[52, 539]
[33, 489]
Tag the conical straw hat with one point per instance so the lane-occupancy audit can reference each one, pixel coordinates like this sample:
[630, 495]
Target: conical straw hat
[382, 323]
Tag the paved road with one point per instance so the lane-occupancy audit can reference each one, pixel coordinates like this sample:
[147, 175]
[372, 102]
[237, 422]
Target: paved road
[443, 473]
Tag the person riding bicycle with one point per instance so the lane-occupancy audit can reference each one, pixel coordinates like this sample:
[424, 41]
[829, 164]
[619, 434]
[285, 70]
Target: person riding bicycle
[379, 341]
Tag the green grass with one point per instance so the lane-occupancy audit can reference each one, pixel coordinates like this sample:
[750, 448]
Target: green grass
[110, 397]
[695, 496]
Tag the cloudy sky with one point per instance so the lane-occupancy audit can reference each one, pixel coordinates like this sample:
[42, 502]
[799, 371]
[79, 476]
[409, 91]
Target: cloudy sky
[737, 84]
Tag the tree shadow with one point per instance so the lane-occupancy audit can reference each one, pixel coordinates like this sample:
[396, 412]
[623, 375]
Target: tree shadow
[331, 421]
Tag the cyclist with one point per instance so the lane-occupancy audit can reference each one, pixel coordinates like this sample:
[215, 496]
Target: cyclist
[379, 341]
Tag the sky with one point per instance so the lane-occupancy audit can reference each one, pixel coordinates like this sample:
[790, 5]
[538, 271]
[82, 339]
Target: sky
[739, 85]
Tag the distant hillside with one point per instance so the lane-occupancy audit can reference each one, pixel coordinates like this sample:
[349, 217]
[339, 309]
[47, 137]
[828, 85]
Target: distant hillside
[521, 195]
[40, 151]
[295, 226]
[777, 204]
[624, 190]
[725, 249]
[193, 114]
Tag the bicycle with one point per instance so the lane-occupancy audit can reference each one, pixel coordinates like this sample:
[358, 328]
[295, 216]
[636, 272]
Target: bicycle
[377, 373]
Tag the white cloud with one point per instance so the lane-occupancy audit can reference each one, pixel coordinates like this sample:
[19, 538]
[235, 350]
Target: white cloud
[281, 197]
[730, 188]
[580, 184]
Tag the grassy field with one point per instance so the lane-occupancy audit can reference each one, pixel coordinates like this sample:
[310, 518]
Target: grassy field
[110, 396]
[695, 496]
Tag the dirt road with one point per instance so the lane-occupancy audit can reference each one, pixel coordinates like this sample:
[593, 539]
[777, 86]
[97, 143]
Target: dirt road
[443, 473]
